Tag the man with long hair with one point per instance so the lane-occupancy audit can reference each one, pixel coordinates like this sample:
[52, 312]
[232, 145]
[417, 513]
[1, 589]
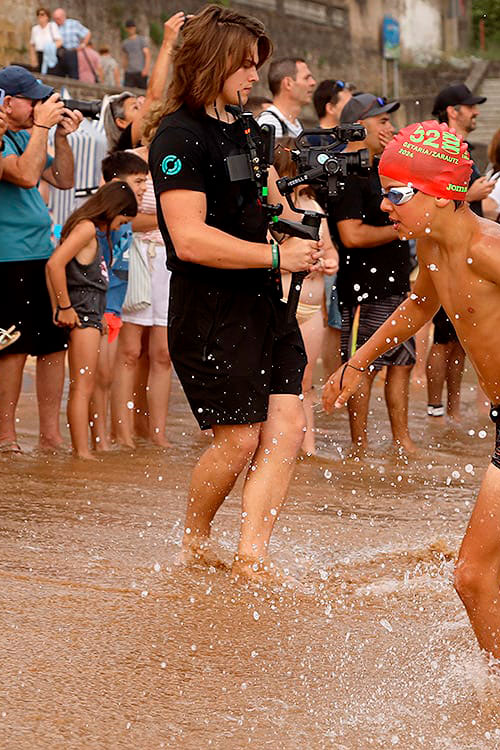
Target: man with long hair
[239, 361]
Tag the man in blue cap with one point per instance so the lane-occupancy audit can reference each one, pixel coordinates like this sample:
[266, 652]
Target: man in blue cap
[31, 109]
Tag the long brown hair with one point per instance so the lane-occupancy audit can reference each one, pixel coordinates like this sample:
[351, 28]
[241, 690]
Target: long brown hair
[216, 43]
[106, 204]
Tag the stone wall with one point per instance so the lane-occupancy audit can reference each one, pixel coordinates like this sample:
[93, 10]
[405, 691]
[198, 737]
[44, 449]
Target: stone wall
[340, 38]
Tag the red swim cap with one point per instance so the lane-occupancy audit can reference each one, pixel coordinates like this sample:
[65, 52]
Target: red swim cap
[431, 157]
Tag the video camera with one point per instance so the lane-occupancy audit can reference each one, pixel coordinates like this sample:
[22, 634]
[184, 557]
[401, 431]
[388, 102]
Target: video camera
[88, 109]
[320, 163]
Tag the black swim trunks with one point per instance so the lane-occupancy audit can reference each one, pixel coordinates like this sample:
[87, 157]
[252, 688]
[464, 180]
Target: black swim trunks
[231, 349]
[444, 331]
[495, 417]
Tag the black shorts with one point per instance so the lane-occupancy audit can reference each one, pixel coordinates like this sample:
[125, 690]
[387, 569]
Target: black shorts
[444, 332]
[89, 304]
[232, 349]
[25, 303]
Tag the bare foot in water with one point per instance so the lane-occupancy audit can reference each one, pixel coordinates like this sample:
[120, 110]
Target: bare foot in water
[261, 572]
[84, 456]
[201, 552]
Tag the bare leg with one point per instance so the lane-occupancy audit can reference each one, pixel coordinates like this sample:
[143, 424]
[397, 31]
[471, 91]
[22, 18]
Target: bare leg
[422, 339]
[358, 406]
[397, 386]
[437, 367]
[477, 574]
[330, 353]
[129, 349]
[83, 354]
[140, 394]
[269, 476]
[454, 374]
[160, 371]
[49, 390]
[213, 479]
[11, 378]
[98, 412]
[312, 333]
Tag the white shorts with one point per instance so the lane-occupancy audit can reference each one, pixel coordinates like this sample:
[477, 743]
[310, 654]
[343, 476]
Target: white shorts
[155, 314]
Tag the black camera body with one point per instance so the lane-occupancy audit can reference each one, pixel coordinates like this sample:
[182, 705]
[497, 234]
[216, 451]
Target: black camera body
[321, 163]
[91, 110]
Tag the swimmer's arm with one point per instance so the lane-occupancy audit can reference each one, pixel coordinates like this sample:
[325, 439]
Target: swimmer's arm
[354, 233]
[406, 320]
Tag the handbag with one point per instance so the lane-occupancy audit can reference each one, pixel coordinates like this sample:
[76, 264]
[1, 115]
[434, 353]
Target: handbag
[139, 292]
[59, 50]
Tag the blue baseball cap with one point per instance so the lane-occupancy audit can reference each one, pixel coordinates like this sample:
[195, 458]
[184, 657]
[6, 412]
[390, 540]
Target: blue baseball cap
[17, 81]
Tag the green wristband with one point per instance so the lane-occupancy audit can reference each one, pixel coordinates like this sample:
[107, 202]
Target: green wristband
[275, 249]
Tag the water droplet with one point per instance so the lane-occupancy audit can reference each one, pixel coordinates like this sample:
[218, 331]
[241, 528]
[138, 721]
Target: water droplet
[256, 615]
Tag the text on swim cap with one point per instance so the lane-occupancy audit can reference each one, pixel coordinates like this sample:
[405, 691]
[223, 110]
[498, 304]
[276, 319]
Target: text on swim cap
[428, 152]
[436, 139]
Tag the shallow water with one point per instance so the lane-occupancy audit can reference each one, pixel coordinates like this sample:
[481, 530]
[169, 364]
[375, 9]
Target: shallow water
[107, 644]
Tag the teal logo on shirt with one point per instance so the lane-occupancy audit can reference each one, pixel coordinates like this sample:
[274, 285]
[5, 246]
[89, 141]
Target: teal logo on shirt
[171, 165]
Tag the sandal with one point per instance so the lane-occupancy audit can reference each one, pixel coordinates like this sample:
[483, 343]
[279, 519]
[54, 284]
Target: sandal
[10, 447]
[8, 336]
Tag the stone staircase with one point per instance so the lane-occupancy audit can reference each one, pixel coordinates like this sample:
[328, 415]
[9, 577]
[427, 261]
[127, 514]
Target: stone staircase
[488, 121]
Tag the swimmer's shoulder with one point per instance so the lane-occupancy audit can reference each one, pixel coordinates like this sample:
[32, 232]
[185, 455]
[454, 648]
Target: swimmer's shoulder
[483, 255]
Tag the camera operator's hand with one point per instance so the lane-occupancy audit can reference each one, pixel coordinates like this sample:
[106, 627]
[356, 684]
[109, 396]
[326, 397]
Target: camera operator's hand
[50, 112]
[300, 255]
[70, 122]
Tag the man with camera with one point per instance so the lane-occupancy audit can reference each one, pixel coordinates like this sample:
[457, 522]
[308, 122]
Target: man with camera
[31, 110]
[374, 271]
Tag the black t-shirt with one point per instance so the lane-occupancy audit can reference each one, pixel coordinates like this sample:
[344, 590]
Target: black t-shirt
[367, 274]
[189, 152]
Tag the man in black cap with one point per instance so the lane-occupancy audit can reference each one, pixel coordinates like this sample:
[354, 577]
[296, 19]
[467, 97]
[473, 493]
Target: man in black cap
[26, 245]
[458, 107]
[137, 57]
[373, 277]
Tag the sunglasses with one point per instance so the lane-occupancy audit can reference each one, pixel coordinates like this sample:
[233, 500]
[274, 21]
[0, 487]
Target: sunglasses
[341, 85]
[399, 195]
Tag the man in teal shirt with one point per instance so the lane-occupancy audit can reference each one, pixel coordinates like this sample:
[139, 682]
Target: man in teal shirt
[25, 226]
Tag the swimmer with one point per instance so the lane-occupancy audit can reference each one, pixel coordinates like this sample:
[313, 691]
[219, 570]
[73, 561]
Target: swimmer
[425, 171]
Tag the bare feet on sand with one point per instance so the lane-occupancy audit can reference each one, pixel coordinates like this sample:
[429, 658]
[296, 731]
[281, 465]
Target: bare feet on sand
[201, 551]
[262, 572]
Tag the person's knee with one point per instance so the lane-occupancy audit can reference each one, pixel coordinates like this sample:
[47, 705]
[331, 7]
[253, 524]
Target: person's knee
[241, 444]
[130, 353]
[468, 578]
[161, 357]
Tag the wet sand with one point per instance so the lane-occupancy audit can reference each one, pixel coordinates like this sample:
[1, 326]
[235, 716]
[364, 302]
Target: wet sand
[107, 644]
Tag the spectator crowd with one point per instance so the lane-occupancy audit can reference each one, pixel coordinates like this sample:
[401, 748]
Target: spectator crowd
[103, 292]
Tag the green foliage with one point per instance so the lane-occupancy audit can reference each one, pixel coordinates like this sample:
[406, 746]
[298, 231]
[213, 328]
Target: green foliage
[489, 11]
[156, 32]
